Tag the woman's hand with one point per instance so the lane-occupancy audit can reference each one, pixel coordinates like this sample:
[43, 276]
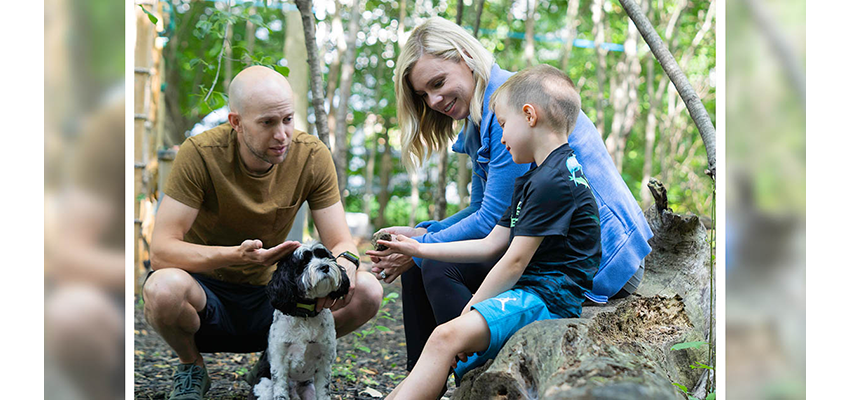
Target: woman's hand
[389, 264]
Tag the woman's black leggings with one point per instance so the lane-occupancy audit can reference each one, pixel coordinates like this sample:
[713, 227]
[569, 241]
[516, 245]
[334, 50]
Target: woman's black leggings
[435, 294]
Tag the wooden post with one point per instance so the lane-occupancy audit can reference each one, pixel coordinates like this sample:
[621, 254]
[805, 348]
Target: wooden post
[145, 33]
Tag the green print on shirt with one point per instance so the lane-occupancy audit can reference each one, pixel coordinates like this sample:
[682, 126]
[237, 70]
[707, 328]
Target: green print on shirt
[574, 166]
[516, 215]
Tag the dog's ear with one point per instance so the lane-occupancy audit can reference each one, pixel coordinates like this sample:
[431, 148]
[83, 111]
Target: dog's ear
[282, 289]
[343, 286]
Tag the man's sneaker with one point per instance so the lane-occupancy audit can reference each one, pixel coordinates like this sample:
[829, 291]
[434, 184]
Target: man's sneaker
[191, 382]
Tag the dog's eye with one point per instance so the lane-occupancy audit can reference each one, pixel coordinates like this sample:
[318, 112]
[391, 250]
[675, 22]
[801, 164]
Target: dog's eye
[322, 253]
[307, 254]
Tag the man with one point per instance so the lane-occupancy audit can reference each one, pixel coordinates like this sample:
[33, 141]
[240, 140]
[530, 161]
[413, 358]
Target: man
[230, 201]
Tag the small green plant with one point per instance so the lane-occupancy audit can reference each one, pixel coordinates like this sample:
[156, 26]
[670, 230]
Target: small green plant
[692, 345]
[374, 327]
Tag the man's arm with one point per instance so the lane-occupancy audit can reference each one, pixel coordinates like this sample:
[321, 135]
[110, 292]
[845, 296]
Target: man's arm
[333, 230]
[169, 250]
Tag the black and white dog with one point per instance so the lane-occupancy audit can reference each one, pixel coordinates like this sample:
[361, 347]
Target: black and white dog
[302, 340]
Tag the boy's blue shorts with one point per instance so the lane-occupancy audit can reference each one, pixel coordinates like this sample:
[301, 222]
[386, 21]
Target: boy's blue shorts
[505, 315]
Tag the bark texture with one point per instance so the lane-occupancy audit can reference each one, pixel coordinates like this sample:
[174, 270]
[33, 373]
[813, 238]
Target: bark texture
[307, 19]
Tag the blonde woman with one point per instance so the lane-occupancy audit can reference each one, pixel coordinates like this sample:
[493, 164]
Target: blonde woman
[444, 74]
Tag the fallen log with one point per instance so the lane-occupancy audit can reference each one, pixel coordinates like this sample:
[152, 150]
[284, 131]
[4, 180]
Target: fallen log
[621, 349]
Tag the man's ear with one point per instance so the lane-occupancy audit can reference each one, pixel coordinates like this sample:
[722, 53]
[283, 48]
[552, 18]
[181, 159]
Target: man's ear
[530, 114]
[235, 121]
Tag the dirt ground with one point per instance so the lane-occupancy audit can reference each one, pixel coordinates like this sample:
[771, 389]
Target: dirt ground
[370, 362]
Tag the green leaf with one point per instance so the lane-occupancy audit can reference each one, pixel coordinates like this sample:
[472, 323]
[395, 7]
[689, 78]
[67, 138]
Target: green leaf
[256, 19]
[701, 365]
[687, 345]
[151, 17]
[383, 328]
[364, 349]
[710, 396]
[680, 386]
[282, 70]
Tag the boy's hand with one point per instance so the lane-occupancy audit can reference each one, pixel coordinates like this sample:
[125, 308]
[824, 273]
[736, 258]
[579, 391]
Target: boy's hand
[401, 245]
[405, 230]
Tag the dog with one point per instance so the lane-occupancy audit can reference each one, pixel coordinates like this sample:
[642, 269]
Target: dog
[302, 340]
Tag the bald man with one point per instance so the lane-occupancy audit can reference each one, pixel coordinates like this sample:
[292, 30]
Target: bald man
[230, 201]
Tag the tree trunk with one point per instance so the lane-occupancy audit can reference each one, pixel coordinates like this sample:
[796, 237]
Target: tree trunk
[385, 170]
[414, 196]
[250, 37]
[624, 99]
[529, 32]
[572, 24]
[686, 91]
[341, 147]
[228, 63]
[622, 349]
[440, 200]
[293, 47]
[305, 7]
[459, 13]
[370, 177]
[651, 124]
[599, 38]
[176, 123]
[478, 10]
[333, 72]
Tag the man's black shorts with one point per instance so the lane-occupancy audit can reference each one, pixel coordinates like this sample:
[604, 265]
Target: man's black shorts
[236, 318]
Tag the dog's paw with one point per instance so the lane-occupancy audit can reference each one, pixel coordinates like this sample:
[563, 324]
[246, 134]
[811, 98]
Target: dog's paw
[263, 389]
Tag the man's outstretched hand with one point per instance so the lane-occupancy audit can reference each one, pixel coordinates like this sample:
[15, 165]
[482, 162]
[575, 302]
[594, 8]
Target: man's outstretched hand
[251, 251]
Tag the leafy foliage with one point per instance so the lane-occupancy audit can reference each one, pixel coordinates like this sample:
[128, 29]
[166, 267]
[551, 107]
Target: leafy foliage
[678, 158]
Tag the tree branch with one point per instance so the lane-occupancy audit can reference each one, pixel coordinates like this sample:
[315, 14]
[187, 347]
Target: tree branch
[686, 91]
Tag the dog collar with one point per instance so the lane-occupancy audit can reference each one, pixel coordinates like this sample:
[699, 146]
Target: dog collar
[305, 308]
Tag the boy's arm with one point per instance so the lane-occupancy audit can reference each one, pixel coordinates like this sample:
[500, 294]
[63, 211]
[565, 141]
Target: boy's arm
[507, 271]
[466, 251]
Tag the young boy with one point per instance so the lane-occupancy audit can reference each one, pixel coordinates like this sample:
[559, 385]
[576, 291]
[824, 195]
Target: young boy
[551, 233]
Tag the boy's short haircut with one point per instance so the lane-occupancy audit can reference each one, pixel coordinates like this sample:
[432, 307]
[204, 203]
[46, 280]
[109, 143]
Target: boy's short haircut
[546, 87]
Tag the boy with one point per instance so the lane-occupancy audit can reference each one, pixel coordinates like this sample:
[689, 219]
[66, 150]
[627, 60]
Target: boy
[551, 233]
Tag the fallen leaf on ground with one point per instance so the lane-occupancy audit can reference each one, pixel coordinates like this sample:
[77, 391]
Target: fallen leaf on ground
[372, 392]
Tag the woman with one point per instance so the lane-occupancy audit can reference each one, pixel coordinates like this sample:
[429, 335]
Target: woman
[445, 74]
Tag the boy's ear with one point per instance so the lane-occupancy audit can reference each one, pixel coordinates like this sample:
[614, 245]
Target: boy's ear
[530, 114]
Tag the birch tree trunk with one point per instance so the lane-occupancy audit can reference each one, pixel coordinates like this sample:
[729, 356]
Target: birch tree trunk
[649, 144]
[346, 79]
[386, 168]
[572, 23]
[333, 73]
[529, 32]
[686, 91]
[299, 73]
[250, 37]
[624, 99]
[305, 7]
[598, 32]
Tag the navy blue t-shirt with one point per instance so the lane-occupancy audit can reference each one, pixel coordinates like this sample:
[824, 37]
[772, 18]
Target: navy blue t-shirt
[554, 200]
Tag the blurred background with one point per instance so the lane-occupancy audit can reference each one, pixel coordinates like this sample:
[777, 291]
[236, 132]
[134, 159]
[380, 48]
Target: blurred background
[765, 199]
[177, 47]
[84, 197]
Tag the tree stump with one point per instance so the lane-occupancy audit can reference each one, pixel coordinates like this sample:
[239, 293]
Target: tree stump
[620, 349]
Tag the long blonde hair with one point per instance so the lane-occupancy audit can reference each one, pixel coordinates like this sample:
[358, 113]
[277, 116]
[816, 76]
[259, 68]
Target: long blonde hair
[424, 130]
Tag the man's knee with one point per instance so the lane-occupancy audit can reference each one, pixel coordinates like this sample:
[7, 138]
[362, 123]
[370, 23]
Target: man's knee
[167, 289]
[370, 293]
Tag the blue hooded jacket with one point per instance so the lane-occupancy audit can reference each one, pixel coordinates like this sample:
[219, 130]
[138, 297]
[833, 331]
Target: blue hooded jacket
[625, 231]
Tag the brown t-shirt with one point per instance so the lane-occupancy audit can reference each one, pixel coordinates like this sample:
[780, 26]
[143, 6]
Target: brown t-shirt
[235, 204]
